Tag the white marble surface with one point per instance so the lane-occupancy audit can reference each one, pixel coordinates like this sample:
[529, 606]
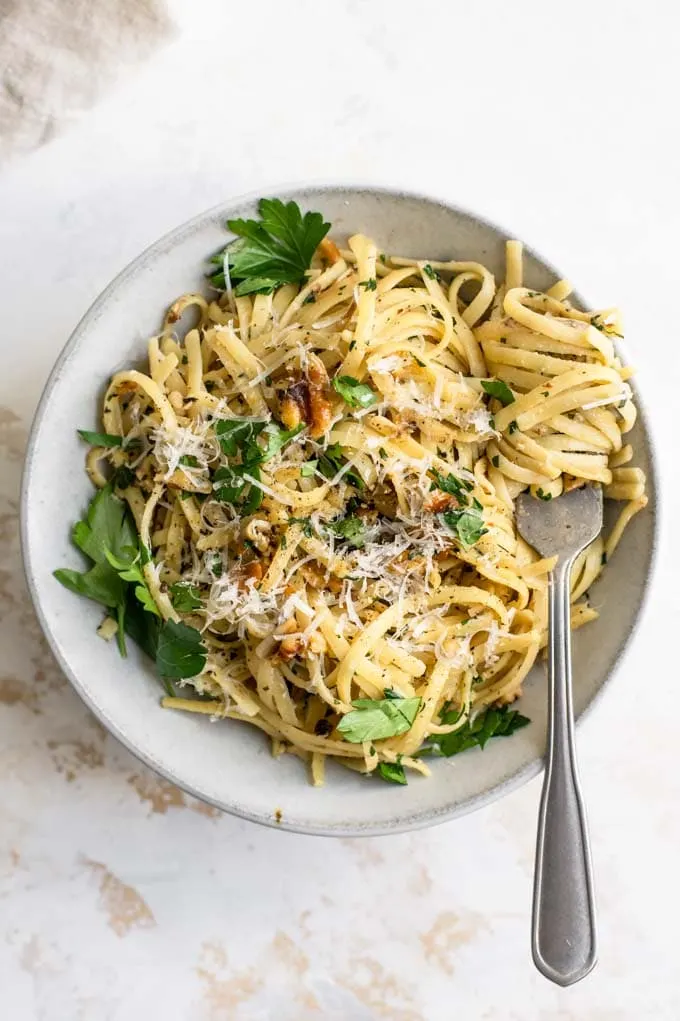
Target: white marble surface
[120, 898]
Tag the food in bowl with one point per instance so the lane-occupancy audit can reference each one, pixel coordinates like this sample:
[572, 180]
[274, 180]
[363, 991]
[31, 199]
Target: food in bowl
[304, 506]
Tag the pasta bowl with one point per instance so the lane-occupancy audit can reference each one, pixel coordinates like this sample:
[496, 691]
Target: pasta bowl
[225, 763]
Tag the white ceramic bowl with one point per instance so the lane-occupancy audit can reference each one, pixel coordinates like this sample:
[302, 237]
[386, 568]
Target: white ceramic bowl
[226, 763]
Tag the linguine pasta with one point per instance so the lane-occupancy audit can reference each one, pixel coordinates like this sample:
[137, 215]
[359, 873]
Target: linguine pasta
[323, 480]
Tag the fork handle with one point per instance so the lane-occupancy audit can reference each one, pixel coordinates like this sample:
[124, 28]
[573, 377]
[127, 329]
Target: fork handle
[563, 925]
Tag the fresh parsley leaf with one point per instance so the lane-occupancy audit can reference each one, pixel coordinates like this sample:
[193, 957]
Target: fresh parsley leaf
[276, 438]
[374, 720]
[351, 529]
[498, 389]
[180, 652]
[185, 597]
[451, 484]
[106, 526]
[100, 439]
[235, 434]
[107, 533]
[100, 583]
[189, 461]
[308, 469]
[123, 477]
[449, 716]
[467, 525]
[131, 571]
[392, 771]
[487, 724]
[240, 436]
[332, 460]
[230, 486]
[354, 393]
[142, 627]
[274, 250]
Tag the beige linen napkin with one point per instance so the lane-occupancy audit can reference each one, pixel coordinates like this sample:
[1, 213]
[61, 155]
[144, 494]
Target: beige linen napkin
[57, 56]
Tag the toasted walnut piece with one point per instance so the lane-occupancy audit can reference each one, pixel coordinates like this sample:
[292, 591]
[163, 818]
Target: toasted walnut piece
[329, 251]
[316, 643]
[319, 397]
[439, 502]
[318, 580]
[248, 572]
[293, 646]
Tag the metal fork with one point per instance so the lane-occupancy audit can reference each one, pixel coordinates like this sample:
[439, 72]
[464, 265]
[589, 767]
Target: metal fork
[563, 937]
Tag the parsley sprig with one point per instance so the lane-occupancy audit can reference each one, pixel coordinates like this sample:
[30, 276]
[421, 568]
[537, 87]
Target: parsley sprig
[240, 438]
[115, 579]
[490, 723]
[465, 521]
[276, 249]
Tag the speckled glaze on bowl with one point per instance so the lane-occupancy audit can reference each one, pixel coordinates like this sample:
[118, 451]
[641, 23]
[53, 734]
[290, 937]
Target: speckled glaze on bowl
[229, 764]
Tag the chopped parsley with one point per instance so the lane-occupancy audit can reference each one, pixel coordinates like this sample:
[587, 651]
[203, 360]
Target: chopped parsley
[332, 460]
[354, 393]
[123, 477]
[306, 523]
[393, 772]
[185, 597]
[543, 495]
[369, 285]
[498, 389]
[467, 525]
[512, 428]
[351, 529]
[451, 484]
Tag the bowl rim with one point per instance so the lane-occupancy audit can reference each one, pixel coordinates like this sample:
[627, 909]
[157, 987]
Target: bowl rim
[498, 790]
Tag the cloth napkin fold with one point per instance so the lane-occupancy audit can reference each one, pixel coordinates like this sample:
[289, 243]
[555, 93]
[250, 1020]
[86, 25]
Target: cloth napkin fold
[58, 56]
